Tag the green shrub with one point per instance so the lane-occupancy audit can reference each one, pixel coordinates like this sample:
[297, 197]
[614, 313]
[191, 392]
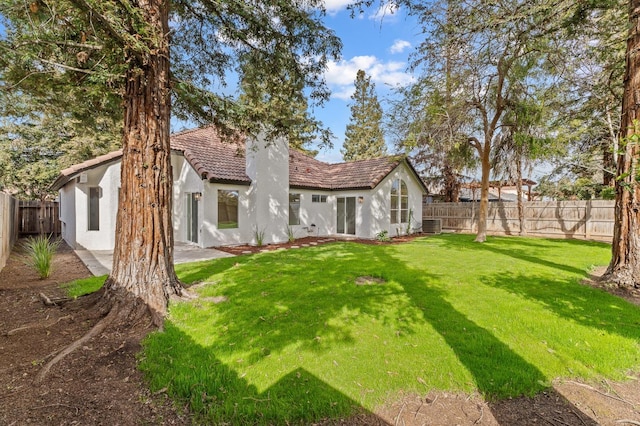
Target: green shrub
[258, 234]
[40, 251]
[383, 236]
[291, 234]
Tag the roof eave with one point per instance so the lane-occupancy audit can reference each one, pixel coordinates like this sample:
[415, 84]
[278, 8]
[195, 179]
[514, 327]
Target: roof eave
[72, 172]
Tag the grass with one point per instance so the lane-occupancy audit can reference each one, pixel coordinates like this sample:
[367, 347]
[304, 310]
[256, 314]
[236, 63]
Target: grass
[40, 251]
[84, 286]
[298, 341]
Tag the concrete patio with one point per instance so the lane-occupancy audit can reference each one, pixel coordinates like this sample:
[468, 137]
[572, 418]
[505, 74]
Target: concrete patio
[99, 261]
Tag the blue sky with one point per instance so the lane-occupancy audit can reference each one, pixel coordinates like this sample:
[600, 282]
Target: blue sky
[378, 42]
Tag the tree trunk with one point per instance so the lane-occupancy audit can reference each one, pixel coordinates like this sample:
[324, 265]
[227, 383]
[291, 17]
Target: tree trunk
[451, 184]
[624, 269]
[523, 230]
[143, 255]
[481, 236]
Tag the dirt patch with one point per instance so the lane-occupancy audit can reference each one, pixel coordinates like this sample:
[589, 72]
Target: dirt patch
[100, 384]
[368, 280]
[595, 280]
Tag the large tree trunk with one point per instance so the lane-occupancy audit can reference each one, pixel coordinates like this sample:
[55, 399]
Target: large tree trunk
[451, 184]
[143, 255]
[481, 236]
[624, 268]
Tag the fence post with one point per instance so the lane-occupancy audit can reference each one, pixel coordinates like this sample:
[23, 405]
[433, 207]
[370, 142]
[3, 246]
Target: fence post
[587, 218]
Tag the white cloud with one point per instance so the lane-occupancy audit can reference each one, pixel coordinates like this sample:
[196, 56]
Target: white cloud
[388, 12]
[399, 46]
[341, 75]
[334, 6]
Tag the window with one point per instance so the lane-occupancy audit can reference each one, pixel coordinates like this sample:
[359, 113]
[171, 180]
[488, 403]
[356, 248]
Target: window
[94, 209]
[316, 198]
[294, 209]
[399, 202]
[227, 209]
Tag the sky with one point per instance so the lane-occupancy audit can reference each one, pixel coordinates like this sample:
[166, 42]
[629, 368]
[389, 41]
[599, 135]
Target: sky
[378, 42]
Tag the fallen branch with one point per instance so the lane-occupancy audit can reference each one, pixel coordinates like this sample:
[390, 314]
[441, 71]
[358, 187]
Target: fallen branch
[97, 329]
[579, 417]
[400, 413]
[631, 422]
[53, 301]
[602, 393]
[481, 415]
[36, 325]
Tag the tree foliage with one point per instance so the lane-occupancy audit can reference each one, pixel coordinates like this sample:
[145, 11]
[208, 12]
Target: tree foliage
[155, 57]
[485, 56]
[364, 137]
[429, 126]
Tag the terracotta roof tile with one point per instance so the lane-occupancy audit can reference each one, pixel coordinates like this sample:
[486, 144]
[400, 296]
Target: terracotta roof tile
[222, 161]
[69, 173]
[307, 172]
[210, 156]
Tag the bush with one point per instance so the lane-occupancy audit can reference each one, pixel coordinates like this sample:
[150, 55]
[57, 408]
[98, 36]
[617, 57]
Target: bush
[383, 236]
[40, 251]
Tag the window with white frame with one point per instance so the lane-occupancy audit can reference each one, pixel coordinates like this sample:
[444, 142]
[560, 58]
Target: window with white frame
[294, 209]
[399, 202]
[317, 198]
[227, 209]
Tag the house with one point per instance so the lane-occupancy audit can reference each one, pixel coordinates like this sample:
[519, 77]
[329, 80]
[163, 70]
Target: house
[229, 194]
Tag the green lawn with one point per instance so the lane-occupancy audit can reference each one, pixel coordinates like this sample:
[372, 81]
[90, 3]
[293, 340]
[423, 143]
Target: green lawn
[298, 340]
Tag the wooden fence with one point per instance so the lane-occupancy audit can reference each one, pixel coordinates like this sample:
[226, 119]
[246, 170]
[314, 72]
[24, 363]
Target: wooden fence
[590, 220]
[8, 228]
[39, 218]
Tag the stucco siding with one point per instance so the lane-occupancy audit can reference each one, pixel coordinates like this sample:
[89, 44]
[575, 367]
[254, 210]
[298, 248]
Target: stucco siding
[185, 180]
[107, 180]
[319, 214]
[380, 212]
[67, 213]
[212, 235]
[268, 197]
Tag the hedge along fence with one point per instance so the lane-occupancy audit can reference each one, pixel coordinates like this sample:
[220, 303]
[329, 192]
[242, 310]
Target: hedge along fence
[588, 220]
[8, 226]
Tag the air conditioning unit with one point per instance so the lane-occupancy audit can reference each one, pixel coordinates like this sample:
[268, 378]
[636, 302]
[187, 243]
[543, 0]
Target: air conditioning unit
[432, 226]
[82, 178]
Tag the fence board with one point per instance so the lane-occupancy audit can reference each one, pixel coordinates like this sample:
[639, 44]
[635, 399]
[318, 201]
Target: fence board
[591, 220]
[8, 228]
[39, 218]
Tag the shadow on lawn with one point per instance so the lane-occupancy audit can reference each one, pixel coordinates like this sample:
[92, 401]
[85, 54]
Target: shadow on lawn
[262, 317]
[221, 396]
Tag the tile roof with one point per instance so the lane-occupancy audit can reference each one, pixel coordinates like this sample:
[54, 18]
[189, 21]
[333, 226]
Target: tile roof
[69, 173]
[307, 172]
[224, 162]
[211, 157]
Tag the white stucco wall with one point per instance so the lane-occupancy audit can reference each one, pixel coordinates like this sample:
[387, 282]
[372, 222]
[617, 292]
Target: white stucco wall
[268, 196]
[211, 234]
[263, 206]
[68, 213]
[379, 210]
[319, 214]
[107, 178]
[185, 180]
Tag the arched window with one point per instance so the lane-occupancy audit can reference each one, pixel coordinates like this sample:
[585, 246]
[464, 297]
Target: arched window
[399, 202]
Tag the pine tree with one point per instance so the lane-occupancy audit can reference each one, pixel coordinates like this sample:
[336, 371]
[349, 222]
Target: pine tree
[364, 137]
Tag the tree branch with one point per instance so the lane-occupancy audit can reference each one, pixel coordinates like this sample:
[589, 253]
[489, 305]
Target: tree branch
[126, 41]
